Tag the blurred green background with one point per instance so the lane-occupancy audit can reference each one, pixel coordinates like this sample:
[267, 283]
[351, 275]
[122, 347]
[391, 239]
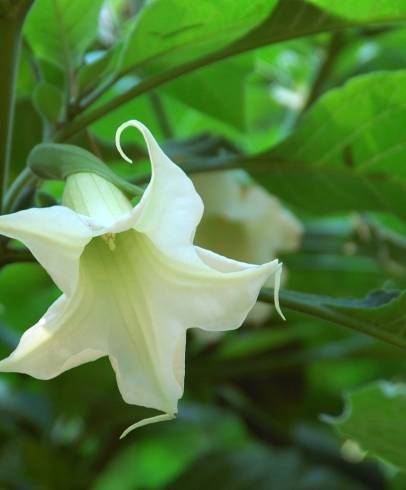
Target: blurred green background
[308, 97]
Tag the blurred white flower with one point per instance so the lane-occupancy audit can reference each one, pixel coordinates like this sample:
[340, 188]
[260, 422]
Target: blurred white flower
[132, 282]
[243, 221]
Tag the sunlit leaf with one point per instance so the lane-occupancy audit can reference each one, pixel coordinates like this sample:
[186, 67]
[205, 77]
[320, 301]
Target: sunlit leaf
[345, 155]
[60, 30]
[194, 30]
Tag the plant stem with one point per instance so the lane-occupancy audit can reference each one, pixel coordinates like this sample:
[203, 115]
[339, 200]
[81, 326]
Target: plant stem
[11, 22]
[15, 256]
[142, 87]
[10, 34]
[334, 49]
[161, 115]
[25, 178]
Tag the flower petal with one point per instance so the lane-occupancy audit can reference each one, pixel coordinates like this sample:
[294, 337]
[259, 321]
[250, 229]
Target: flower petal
[56, 237]
[204, 290]
[145, 345]
[170, 208]
[232, 290]
[61, 340]
[91, 195]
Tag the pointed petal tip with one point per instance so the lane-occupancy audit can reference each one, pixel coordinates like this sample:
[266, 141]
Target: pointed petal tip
[119, 132]
[278, 274]
[151, 420]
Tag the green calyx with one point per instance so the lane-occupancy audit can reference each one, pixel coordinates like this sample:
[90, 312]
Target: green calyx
[53, 161]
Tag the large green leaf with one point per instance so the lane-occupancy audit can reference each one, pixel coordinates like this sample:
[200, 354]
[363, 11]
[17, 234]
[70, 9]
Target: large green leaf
[347, 153]
[374, 417]
[61, 30]
[190, 35]
[210, 91]
[362, 10]
[180, 30]
[297, 18]
[355, 126]
[191, 42]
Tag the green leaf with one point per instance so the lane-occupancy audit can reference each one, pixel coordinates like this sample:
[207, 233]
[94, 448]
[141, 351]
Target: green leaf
[25, 75]
[298, 18]
[194, 29]
[380, 314]
[49, 101]
[345, 155]
[57, 162]
[52, 73]
[100, 72]
[177, 51]
[363, 9]
[374, 417]
[191, 36]
[209, 90]
[61, 30]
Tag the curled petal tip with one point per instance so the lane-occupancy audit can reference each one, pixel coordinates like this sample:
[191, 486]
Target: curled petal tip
[278, 275]
[151, 420]
[119, 131]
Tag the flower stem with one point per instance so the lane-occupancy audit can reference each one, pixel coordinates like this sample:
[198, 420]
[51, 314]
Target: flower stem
[10, 30]
[11, 22]
[161, 115]
[334, 50]
[25, 178]
[16, 256]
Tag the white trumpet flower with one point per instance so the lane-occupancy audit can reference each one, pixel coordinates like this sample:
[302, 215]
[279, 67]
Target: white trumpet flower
[132, 282]
[243, 221]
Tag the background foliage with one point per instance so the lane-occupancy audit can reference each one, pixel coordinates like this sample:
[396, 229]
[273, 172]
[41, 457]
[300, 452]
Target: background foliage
[309, 97]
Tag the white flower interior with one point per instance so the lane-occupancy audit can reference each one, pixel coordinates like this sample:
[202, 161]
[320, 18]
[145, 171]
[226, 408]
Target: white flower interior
[132, 282]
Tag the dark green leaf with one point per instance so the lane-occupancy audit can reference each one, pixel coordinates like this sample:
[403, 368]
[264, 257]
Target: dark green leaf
[49, 101]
